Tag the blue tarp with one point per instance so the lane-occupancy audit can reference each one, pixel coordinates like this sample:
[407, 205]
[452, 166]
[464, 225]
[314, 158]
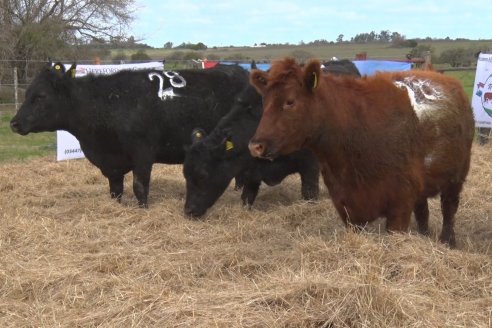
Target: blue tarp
[365, 67]
[247, 66]
[370, 67]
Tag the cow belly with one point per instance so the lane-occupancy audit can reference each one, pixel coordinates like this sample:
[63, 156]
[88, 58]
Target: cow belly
[364, 203]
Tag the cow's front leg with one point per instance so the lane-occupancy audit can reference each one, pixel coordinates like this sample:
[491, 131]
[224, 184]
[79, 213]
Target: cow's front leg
[250, 190]
[141, 181]
[116, 186]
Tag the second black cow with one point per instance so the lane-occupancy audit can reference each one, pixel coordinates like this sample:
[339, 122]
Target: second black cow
[214, 160]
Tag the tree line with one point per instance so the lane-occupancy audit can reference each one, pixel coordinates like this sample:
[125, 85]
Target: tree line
[81, 29]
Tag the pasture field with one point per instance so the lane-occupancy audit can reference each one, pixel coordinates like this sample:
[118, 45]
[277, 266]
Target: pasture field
[72, 257]
[341, 50]
[16, 147]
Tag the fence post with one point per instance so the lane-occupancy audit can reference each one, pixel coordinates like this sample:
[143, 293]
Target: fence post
[427, 61]
[16, 89]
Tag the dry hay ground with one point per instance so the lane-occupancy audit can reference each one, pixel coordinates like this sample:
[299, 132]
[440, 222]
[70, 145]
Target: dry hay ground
[71, 257]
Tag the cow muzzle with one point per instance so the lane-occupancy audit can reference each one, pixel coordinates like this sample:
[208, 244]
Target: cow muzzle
[194, 213]
[261, 150]
[16, 127]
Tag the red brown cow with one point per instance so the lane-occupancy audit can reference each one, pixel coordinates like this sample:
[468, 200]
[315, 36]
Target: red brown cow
[385, 143]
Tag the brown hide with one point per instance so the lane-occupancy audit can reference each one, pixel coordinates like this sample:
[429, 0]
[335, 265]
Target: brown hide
[381, 150]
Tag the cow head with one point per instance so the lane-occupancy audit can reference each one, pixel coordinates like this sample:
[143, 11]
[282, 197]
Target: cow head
[287, 91]
[44, 100]
[208, 168]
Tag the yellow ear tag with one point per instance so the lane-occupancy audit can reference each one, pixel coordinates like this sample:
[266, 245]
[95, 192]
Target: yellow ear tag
[57, 67]
[315, 83]
[73, 72]
[229, 145]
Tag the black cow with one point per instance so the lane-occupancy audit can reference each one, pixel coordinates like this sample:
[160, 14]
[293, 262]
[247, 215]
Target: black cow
[213, 161]
[129, 120]
[341, 67]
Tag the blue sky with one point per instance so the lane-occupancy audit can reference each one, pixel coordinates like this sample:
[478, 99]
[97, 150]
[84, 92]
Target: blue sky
[238, 23]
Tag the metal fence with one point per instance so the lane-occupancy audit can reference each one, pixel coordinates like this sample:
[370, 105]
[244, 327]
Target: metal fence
[15, 77]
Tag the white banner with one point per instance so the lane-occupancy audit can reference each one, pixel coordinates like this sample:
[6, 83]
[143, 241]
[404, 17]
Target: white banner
[482, 92]
[67, 146]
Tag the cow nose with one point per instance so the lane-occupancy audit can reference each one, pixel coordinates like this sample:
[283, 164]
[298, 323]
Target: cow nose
[192, 213]
[256, 148]
[14, 126]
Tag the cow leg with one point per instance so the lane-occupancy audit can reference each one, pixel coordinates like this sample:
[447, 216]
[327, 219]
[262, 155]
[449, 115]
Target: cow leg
[250, 191]
[116, 186]
[141, 181]
[398, 220]
[239, 182]
[450, 198]
[310, 184]
[422, 216]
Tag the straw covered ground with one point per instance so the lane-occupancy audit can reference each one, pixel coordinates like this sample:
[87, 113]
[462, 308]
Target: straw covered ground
[72, 257]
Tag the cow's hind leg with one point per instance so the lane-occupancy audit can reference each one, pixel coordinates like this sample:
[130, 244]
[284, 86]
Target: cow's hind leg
[450, 198]
[141, 181]
[310, 182]
[422, 216]
[116, 186]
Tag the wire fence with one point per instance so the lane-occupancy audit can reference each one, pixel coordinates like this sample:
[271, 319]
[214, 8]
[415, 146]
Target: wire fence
[15, 77]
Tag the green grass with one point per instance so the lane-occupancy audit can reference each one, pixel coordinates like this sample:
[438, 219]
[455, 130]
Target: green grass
[17, 147]
[467, 78]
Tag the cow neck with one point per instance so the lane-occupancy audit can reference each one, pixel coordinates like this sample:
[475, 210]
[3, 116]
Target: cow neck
[79, 108]
[334, 124]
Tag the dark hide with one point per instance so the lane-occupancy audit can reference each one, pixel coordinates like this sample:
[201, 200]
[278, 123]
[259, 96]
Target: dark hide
[341, 67]
[212, 162]
[121, 123]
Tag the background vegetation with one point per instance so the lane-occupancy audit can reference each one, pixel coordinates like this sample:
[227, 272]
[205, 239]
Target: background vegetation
[13, 146]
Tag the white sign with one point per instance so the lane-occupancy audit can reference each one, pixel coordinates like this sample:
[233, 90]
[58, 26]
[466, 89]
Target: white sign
[67, 146]
[482, 92]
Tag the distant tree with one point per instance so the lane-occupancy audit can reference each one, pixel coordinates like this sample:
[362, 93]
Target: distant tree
[364, 37]
[50, 28]
[397, 39]
[384, 36]
[119, 57]
[458, 57]
[199, 46]
[168, 45]
[420, 50]
[340, 38]
[140, 55]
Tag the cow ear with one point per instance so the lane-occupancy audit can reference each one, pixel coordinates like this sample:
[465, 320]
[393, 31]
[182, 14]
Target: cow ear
[72, 71]
[197, 135]
[312, 72]
[259, 80]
